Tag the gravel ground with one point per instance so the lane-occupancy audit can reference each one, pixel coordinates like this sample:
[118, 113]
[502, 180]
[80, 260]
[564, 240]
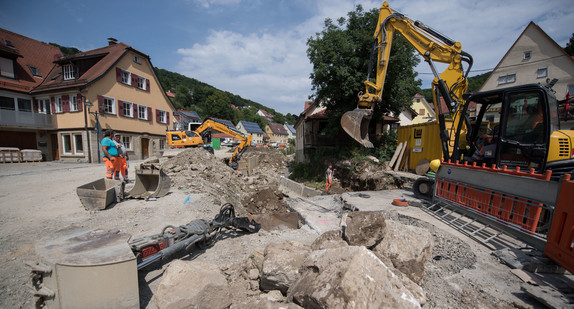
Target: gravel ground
[38, 199]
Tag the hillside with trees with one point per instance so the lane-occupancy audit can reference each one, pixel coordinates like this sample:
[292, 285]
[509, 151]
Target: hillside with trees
[208, 101]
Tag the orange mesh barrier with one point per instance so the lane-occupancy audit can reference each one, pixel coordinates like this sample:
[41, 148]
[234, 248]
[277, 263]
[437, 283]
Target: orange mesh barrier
[560, 243]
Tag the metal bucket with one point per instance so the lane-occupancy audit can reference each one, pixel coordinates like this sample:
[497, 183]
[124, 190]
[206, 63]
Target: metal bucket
[356, 124]
[150, 182]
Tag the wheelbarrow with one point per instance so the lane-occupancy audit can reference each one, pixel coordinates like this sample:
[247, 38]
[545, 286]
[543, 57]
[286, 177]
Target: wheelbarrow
[150, 182]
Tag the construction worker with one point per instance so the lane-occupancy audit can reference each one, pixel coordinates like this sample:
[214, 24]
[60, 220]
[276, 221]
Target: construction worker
[122, 158]
[110, 153]
[328, 178]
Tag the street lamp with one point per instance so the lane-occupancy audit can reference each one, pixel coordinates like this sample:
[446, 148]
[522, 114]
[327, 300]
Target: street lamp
[87, 104]
[98, 129]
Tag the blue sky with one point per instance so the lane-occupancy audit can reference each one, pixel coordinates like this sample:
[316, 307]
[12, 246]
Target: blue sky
[257, 48]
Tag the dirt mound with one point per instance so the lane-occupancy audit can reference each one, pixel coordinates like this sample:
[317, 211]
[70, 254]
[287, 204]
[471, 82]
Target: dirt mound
[364, 176]
[200, 171]
[265, 201]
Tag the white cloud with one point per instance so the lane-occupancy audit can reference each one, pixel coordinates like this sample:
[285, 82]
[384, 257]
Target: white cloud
[273, 68]
[208, 3]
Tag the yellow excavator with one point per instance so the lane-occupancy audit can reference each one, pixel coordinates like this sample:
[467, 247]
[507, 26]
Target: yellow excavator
[516, 126]
[201, 137]
[509, 167]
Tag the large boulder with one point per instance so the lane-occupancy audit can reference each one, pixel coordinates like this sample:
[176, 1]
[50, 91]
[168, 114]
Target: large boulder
[349, 277]
[328, 240]
[281, 265]
[180, 287]
[364, 228]
[407, 247]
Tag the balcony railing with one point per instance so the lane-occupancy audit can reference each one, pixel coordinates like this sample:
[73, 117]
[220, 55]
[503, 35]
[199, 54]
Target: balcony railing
[11, 118]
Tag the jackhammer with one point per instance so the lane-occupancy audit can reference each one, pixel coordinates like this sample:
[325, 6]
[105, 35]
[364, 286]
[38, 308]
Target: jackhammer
[174, 239]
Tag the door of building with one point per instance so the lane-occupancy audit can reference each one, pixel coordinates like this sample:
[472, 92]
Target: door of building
[55, 150]
[145, 148]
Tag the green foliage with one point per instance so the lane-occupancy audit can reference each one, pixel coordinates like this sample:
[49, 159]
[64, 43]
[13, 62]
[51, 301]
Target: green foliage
[340, 55]
[66, 51]
[217, 105]
[569, 49]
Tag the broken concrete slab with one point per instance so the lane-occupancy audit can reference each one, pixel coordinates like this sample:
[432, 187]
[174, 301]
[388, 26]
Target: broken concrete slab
[408, 247]
[349, 277]
[180, 287]
[281, 265]
[329, 240]
[364, 228]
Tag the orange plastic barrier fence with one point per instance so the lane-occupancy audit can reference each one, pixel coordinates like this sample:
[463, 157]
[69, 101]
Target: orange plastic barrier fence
[560, 243]
[506, 207]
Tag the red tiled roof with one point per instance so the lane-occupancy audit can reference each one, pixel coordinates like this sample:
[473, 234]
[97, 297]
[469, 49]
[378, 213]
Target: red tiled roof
[390, 118]
[277, 128]
[169, 94]
[26, 52]
[105, 58]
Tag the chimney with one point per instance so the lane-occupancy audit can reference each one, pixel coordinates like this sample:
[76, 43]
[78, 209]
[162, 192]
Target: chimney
[112, 41]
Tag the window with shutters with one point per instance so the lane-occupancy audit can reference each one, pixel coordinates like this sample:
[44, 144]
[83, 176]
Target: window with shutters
[128, 109]
[162, 116]
[58, 106]
[109, 105]
[73, 103]
[126, 77]
[141, 82]
[68, 71]
[142, 112]
[43, 105]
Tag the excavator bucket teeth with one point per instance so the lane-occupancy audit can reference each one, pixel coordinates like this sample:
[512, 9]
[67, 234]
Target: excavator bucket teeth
[150, 182]
[356, 124]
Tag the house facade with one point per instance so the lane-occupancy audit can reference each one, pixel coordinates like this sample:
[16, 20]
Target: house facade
[534, 58]
[424, 110]
[183, 120]
[290, 131]
[112, 87]
[252, 128]
[276, 133]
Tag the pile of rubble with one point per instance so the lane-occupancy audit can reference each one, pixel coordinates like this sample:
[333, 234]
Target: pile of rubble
[375, 263]
[199, 171]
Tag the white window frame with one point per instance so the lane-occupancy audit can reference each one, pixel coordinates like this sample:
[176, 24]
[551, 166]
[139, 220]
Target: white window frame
[126, 77]
[142, 112]
[68, 72]
[507, 78]
[137, 59]
[128, 109]
[58, 105]
[162, 116]
[43, 104]
[109, 105]
[527, 55]
[141, 82]
[127, 140]
[75, 143]
[542, 72]
[73, 103]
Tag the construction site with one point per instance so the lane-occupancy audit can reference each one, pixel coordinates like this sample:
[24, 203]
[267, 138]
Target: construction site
[376, 248]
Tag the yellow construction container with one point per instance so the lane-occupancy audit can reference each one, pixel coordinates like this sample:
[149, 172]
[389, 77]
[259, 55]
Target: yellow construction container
[423, 142]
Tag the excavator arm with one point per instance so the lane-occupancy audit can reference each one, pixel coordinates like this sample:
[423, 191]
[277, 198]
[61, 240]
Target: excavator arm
[433, 47]
[245, 140]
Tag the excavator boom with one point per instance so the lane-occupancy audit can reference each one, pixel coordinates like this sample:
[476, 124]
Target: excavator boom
[433, 46]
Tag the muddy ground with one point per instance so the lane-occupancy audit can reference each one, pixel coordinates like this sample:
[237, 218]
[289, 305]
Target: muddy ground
[39, 199]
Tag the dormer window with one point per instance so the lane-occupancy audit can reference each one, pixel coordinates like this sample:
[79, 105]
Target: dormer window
[68, 71]
[34, 71]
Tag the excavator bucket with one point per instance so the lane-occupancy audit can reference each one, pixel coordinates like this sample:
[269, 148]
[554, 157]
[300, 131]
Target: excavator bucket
[151, 182]
[356, 124]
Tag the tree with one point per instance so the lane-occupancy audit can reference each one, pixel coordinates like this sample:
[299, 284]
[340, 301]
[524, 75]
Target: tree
[569, 49]
[218, 105]
[340, 56]
[182, 96]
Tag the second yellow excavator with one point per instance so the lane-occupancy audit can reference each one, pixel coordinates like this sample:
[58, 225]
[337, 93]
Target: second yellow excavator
[201, 136]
